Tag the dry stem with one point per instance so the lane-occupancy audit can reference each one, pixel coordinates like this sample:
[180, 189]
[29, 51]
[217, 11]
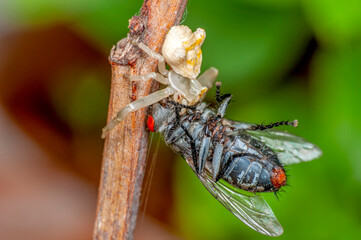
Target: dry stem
[125, 147]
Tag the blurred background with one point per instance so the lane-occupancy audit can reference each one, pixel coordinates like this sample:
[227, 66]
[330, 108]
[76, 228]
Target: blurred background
[281, 60]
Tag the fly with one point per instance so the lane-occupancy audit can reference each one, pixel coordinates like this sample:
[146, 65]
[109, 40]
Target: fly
[228, 156]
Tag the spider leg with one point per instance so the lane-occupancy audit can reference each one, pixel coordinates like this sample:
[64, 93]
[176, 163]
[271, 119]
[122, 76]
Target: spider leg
[161, 63]
[156, 76]
[208, 77]
[136, 105]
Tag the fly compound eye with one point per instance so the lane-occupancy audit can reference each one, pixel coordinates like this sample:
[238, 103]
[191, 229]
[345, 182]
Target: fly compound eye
[150, 123]
[278, 177]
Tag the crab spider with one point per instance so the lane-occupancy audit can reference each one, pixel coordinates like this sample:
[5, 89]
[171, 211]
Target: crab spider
[182, 52]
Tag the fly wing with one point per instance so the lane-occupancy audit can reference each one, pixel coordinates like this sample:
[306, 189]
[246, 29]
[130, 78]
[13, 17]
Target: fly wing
[290, 149]
[252, 210]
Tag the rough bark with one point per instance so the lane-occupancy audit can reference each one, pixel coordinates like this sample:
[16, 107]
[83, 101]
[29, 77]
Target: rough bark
[125, 147]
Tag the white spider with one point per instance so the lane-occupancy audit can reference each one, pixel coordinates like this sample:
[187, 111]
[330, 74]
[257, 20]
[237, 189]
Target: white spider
[182, 52]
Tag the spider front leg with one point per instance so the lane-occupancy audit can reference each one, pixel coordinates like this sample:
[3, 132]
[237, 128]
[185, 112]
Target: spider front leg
[161, 63]
[156, 76]
[208, 77]
[136, 105]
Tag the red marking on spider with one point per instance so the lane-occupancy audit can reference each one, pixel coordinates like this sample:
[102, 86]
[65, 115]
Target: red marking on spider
[278, 178]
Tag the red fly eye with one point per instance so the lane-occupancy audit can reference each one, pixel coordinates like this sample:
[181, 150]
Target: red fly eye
[278, 178]
[150, 123]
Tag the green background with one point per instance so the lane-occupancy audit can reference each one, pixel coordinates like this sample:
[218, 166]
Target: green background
[281, 60]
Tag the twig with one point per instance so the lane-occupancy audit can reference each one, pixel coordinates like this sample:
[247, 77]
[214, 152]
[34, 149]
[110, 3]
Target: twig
[126, 145]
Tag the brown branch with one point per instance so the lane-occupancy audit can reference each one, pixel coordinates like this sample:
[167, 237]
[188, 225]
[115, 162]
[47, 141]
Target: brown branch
[126, 145]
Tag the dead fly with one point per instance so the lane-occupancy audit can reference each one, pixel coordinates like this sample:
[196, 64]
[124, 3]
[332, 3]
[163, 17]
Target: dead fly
[225, 155]
[228, 156]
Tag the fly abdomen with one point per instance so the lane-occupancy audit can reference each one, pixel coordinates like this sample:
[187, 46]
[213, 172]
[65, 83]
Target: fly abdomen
[249, 174]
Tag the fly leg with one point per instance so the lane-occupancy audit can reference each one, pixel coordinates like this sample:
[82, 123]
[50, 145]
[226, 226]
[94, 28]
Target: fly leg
[219, 97]
[193, 148]
[175, 132]
[191, 141]
[179, 105]
[261, 127]
[204, 150]
[222, 100]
